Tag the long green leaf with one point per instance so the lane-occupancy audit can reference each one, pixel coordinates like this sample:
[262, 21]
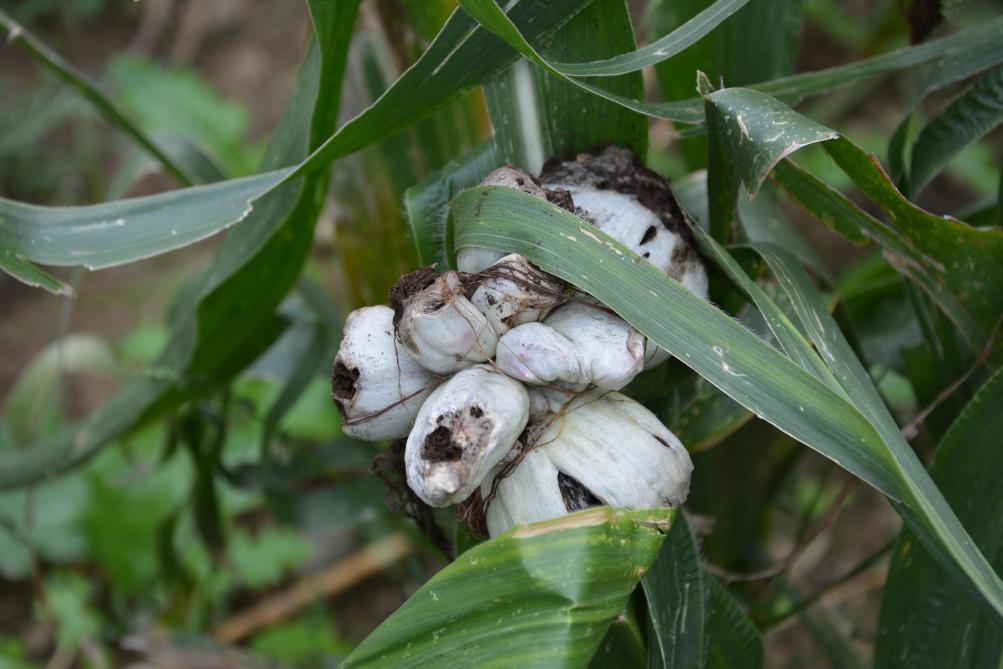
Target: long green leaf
[462, 56]
[707, 340]
[92, 92]
[925, 622]
[748, 133]
[674, 593]
[727, 355]
[661, 49]
[234, 302]
[536, 116]
[105, 235]
[955, 263]
[976, 112]
[226, 318]
[916, 497]
[541, 595]
[30, 275]
[986, 39]
[733, 642]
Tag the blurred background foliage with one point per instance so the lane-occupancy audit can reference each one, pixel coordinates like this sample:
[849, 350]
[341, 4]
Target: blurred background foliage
[155, 544]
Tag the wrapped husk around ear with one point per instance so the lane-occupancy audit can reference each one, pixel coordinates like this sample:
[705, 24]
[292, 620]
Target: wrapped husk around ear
[377, 386]
[466, 427]
[439, 326]
[602, 448]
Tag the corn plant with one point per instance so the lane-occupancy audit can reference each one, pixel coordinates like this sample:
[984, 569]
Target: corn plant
[778, 344]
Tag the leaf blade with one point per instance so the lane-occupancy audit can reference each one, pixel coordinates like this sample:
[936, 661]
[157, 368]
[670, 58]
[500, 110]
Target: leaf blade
[727, 355]
[924, 622]
[521, 598]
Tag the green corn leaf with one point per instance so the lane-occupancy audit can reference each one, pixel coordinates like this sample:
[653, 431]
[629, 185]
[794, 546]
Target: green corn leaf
[226, 318]
[113, 233]
[916, 498]
[541, 595]
[92, 92]
[235, 301]
[976, 112]
[729, 356]
[661, 49]
[952, 261]
[674, 595]
[748, 133]
[30, 275]
[427, 203]
[925, 622]
[536, 116]
[462, 56]
[733, 642]
[987, 39]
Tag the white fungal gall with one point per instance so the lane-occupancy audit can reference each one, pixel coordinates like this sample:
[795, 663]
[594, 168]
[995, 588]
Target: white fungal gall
[512, 292]
[377, 386]
[602, 448]
[611, 353]
[537, 354]
[619, 451]
[529, 494]
[466, 427]
[475, 258]
[438, 325]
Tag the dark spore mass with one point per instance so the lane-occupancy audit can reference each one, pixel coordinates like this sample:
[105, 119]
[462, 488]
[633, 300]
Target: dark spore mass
[576, 496]
[439, 446]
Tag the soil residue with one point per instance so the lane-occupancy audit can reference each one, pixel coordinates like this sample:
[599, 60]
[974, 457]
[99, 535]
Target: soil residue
[619, 170]
[408, 285]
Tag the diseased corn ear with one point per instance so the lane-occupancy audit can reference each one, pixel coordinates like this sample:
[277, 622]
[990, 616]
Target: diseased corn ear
[512, 292]
[611, 352]
[377, 386]
[441, 328]
[465, 428]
